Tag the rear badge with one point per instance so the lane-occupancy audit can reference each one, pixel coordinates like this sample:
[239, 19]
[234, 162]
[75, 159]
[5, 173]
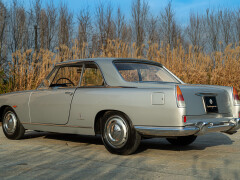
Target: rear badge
[211, 101]
[210, 104]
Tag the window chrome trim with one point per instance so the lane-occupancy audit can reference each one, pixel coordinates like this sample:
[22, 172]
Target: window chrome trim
[56, 68]
[80, 81]
[75, 65]
[148, 63]
[173, 75]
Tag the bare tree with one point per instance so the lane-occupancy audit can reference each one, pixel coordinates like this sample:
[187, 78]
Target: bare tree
[17, 27]
[100, 24]
[123, 30]
[104, 24]
[3, 42]
[153, 35]
[195, 32]
[52, 15]
[127, 34]
[84, 26]
[37, 6]
[213, 29]
[109, 24]
[226, 18]
[237, 25]
[170, 32]
[140, 10]
[119, 23]
[65, 24]
[47, 27]
[43, 27]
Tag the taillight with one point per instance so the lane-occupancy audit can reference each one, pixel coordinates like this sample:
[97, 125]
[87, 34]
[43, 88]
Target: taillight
[180, 99]
[236, 97]
[184, 119]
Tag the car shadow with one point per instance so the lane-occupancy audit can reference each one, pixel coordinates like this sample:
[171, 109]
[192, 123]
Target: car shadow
[64, 137]
[34, 134]
[76, 138]
[202, 142]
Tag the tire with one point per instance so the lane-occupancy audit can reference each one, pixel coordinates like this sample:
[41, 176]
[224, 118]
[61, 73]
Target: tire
[182, 140]
[11, 125]
[118, 134]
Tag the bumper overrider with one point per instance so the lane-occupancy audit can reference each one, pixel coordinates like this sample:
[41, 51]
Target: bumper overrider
[199, 128]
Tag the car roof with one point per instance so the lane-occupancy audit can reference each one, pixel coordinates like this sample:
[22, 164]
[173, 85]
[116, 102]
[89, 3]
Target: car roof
[109, 71]
[106, 60]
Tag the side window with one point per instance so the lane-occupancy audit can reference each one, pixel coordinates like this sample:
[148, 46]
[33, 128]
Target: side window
[68, 76]
[92, 76]
[151, 74]
[130, 75]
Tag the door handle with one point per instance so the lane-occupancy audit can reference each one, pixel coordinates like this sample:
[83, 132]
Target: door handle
[69, 93]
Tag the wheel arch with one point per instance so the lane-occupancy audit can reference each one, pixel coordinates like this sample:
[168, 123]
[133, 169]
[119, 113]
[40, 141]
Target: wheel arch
[2, 108]
[99, 116]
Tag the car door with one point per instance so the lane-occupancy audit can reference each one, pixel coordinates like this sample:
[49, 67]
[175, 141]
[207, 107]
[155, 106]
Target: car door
[51, 103]
[83, 107]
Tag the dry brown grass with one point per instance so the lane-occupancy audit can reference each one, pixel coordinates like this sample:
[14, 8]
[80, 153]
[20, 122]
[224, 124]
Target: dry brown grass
[29, 68]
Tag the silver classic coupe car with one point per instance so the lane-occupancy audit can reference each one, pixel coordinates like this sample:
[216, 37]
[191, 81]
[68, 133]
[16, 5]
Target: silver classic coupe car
[123, 100]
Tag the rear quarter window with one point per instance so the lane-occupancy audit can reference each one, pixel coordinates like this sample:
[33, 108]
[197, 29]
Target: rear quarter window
[143, 72]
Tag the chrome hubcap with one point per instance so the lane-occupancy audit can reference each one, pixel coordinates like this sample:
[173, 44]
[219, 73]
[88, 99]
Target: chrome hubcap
[116, 132]
[10, 122]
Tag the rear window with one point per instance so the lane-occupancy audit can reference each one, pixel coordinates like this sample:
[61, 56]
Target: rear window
[143, 72]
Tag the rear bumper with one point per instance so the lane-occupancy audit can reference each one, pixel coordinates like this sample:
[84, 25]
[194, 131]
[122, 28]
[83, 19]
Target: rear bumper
[199, 128]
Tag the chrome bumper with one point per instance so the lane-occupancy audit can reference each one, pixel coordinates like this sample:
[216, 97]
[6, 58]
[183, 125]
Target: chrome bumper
[200, 128]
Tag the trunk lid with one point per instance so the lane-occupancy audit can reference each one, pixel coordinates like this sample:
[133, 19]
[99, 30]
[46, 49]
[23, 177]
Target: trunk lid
[202, 100]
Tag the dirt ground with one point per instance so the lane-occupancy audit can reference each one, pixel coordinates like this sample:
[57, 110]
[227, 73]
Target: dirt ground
[43, 155]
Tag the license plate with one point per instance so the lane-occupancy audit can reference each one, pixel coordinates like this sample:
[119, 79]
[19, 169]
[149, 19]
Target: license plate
[210, 104]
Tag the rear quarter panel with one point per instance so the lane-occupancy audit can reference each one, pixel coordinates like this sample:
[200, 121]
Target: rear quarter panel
[134, 102]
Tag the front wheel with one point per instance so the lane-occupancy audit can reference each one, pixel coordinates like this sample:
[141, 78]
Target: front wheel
[118, 134]
[182, 140]
[11, 125]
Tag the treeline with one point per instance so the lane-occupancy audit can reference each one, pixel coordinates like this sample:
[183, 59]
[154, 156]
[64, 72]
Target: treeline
[35, 31]
[48, 26]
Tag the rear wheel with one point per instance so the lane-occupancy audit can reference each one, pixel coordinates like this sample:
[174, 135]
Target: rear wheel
[118, 134]
[182, 140]
[11, 125]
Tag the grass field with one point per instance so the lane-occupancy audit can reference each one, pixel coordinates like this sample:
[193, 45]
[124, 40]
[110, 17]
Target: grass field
[28, 68]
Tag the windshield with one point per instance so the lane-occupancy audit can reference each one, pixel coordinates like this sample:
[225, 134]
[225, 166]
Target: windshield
[142, 72]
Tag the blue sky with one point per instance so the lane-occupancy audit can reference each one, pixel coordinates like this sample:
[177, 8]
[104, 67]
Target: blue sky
[182, 8]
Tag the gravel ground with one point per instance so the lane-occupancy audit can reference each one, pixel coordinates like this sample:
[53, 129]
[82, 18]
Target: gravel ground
[43, 155]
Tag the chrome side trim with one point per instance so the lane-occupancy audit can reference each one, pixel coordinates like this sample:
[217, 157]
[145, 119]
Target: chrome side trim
[199, 128]
[58, 125]
[206, 94]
